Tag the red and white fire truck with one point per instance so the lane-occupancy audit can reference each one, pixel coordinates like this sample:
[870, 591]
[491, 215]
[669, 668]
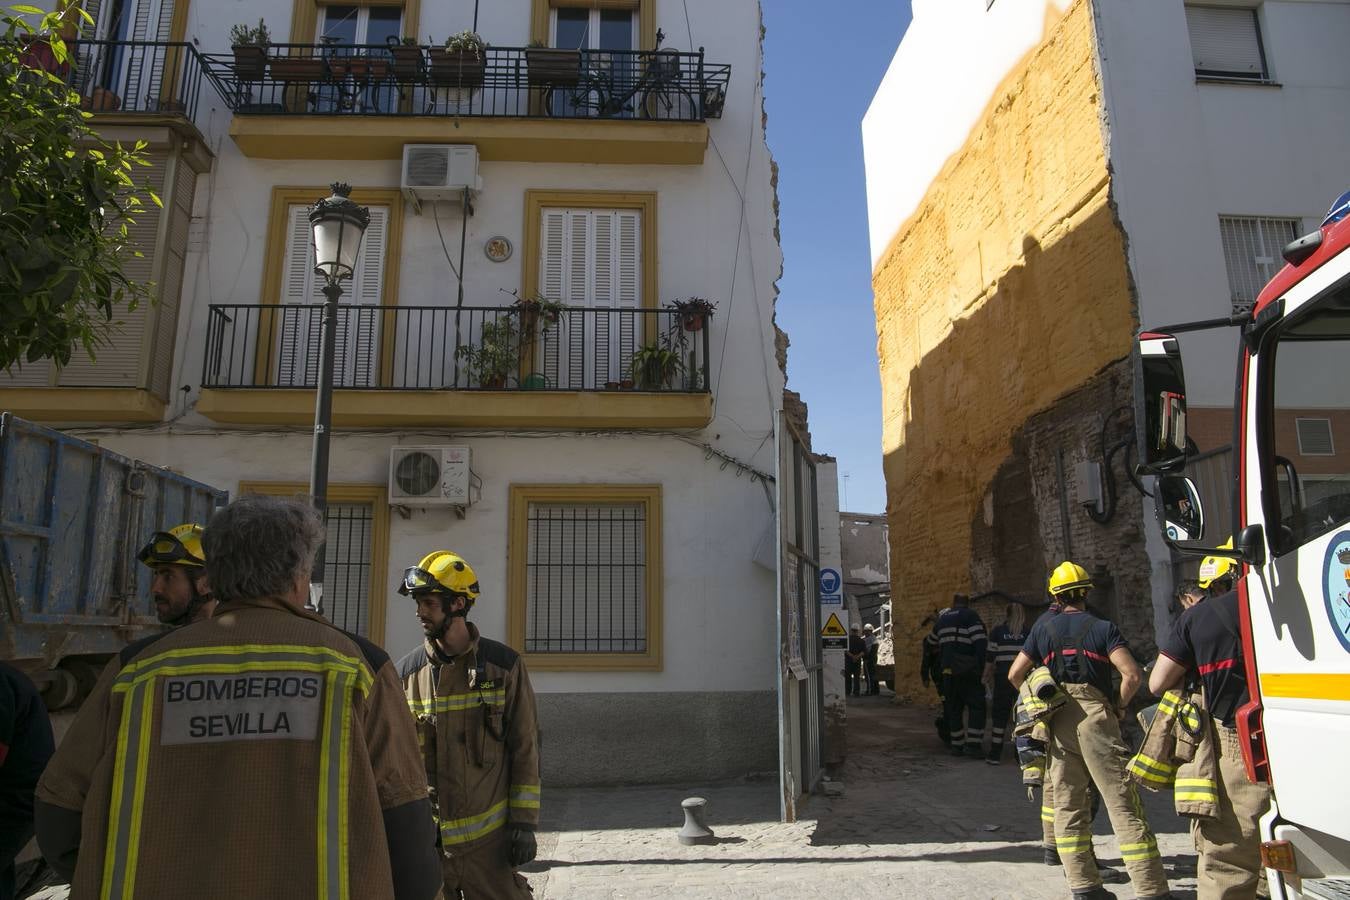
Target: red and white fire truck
[1290, 499]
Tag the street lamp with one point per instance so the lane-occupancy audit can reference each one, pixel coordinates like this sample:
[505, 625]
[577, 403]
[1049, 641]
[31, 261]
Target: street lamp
[338, 225]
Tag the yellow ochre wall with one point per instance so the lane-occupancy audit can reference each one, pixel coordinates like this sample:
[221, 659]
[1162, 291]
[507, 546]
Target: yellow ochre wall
[1006, 289]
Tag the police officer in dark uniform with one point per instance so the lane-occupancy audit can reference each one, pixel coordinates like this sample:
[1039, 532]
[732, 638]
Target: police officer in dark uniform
[962, 643]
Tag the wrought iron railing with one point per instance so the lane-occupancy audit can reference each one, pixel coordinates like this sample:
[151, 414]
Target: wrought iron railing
[155, 77]
[408, 80]
[466, 348]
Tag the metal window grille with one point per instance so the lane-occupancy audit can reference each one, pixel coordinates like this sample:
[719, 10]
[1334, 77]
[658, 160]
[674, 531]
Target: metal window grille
[346, 570]
[1226, 43]
[1251, 251]
[1314, 437]
[586, 578]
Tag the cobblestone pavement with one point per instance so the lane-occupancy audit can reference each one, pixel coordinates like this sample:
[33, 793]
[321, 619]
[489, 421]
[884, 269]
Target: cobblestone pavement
[912, 822]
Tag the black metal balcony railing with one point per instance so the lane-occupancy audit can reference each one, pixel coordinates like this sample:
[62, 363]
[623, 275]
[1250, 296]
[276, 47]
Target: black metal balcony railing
[405, 80]
[155, 77]
[470, 348]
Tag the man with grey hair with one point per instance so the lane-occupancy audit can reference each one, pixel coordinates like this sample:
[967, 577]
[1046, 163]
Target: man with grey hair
[265, 723]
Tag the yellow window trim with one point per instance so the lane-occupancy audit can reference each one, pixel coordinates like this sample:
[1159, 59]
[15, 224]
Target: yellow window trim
[540, 9]
[522, 495]
[374, 494]
[274, 269]
[645, 203]
[305, 16]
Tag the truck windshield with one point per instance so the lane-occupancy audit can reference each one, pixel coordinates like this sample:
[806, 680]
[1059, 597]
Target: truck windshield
[1308, 426]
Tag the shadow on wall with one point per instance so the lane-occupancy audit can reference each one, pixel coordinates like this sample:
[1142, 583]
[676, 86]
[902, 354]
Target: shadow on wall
[1047, 326]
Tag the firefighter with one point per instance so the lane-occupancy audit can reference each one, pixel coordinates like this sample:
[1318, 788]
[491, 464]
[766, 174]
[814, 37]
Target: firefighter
[930, 672]
[1086, 748]
[961, 642]
[264, 725]
[179, 582]
[475, 714]
[1206, 641]
[1005, 642]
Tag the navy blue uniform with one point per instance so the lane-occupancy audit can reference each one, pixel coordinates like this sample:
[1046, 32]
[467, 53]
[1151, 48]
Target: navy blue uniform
[25, 746]
[1206, 638]
[1004, 645]
[961, 645]
[1076, 646]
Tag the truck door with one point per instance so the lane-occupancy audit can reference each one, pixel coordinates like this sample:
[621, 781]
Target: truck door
[1296, 485]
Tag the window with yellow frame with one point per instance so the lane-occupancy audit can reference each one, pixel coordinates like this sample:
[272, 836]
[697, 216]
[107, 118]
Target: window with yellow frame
[585, 576]
[356, 558]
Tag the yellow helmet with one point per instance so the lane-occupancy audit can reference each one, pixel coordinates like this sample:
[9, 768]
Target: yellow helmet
[441, 571]
[181, 546]
[1067, 577]
[1213, 568]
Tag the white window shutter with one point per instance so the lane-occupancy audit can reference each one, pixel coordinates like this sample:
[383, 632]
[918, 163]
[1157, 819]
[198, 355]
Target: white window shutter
[1225, 42]
[552, 232]
[358, 332]
[580, 286]
[628, 258]
[602, 265]
[298, 331]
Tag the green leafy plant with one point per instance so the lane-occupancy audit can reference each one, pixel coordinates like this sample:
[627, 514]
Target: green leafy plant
[538, 310]
[693, 311]
[244, 35]
[67, 199]
[536, 44]
[656, 365]
[466, 42]
[496, 355]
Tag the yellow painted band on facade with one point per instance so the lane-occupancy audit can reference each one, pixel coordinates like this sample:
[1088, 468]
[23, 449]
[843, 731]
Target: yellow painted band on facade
[58, 404]
[1311, 686]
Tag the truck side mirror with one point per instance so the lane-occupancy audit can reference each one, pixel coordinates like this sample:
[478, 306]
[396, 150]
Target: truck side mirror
[1182, 510]
[1160, 404]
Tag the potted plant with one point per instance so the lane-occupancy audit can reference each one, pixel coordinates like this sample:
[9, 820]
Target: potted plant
[496, 355]
[460, 62]
[358, 66]
[547, 66]
[533, 310]
[407, 56]
[297, 68]
[655, 366]
[693, 312]
[250, 50]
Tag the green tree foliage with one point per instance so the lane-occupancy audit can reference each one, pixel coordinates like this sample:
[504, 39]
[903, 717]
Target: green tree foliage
[66, 201]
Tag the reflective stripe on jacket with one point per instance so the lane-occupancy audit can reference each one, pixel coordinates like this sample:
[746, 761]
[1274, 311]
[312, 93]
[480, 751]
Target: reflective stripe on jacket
[1178, 752]
[477, 724]
[265, 724]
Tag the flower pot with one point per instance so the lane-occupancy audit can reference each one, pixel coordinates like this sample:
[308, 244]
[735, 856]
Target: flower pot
[549, 66]
[494, 382]
[101, 100]
[456, 68]
[358, 67]
[693, 321]
[408, 62]
[626, 384]
[611, 385]
[250, 61]
[297, 68]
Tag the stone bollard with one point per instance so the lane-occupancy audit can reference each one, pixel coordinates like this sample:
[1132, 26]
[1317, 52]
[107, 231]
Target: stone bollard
[694, 831]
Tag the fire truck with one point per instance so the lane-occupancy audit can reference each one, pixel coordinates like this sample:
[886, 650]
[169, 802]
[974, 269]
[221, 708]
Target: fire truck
[1288, 490]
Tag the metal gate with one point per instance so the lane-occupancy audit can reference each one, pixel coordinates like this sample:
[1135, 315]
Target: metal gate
[800, 689]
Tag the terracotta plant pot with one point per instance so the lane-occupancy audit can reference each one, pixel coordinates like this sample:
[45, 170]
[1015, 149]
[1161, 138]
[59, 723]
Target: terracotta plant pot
[550, 66]
[297, 68]
[611, 385]
[693, 321]
[101, 100]
[358, 67]
[626, 384]
[250, 61]
[456, 68]
[494, 383]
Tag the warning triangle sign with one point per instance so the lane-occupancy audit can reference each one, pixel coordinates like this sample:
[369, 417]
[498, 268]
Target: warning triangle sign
[833, 628]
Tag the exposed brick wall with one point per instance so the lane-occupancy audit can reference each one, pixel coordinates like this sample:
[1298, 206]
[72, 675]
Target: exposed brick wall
[1007, 290]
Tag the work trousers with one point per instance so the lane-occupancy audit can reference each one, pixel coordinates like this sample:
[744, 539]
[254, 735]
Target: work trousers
[1230, 846]
[852, 674]
[1087, 749]
[870, 665]
[963, 703]
[481, 872]
[1005, 698]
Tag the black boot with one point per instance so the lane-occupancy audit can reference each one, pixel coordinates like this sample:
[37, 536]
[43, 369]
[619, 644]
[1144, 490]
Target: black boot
[1096, 893]
[1051, 856]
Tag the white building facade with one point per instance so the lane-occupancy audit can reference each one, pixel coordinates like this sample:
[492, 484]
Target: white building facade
[611, 508]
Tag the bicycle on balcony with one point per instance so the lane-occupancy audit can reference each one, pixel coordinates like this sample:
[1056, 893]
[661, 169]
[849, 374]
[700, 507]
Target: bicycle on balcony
[610, 86]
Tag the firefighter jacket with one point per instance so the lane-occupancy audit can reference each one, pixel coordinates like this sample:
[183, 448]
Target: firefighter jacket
[479, 732]
[1178, 751]
[1038, 700]
[259, 753]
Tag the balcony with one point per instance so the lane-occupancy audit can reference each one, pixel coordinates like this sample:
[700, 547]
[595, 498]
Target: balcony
[437, 366]
[297, 101]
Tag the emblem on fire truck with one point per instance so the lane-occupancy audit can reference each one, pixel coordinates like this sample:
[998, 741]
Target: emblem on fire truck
[1336, 585]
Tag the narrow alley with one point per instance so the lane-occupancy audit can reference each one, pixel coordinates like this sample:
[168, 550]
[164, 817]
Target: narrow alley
[912, 821]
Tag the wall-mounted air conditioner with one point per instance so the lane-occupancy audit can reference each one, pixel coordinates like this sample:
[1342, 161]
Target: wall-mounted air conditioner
[429, 476]
[439, 171]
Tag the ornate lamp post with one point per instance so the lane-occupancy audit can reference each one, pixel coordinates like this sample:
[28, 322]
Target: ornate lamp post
[338, 226]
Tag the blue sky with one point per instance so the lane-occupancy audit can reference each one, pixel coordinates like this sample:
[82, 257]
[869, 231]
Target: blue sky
[820, 74]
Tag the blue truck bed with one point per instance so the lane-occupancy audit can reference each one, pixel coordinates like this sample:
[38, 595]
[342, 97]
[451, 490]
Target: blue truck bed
[72, 516]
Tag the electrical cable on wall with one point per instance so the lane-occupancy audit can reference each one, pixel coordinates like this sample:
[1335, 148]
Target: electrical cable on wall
[1108, 510]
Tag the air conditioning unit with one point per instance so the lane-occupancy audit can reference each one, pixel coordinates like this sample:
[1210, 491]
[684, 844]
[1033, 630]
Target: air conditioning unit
[439, 171]
[429, 476]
